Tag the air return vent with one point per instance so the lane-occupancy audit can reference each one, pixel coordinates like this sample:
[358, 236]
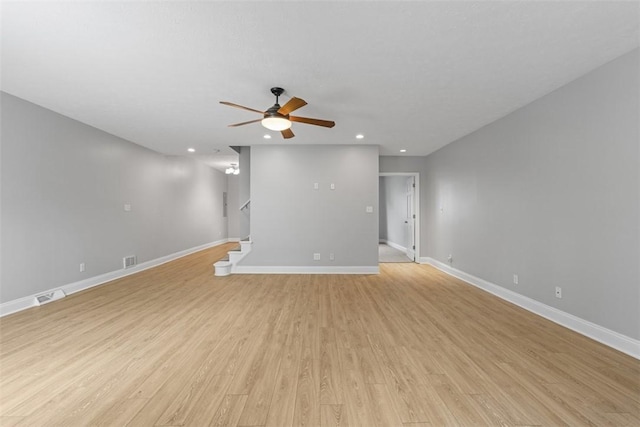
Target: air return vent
[49, 296]
[129, 261]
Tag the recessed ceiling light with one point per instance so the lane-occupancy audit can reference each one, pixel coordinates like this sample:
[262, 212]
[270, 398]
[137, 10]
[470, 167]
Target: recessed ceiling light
[403, 151]
[267, 136]
[359, 136]
[191, 150]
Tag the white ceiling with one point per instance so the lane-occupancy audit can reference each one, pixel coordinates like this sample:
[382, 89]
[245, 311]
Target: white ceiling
[407, 75]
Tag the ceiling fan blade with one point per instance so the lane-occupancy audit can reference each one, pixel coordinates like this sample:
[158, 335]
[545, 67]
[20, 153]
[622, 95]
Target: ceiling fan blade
[287, 133]
[231, 104]
[309, 121]
[292, 105]
[244, 123]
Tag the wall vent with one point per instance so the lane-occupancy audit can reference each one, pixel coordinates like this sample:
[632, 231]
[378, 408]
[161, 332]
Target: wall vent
[49, 296]
[129, 261]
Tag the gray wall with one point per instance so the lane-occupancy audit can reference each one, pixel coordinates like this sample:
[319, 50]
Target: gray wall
[244, 191]
[551, 193]
[233, 206]
[393, 206]
[64, 186]
[290, 220]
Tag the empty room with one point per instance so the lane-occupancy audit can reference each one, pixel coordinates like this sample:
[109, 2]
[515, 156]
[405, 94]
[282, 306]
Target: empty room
[320, 213]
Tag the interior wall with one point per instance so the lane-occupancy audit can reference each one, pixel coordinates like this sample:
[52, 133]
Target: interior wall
[64, 187]
[549, 193]
[291, 220]
[393, 201]
[233, 207]
[244, 192]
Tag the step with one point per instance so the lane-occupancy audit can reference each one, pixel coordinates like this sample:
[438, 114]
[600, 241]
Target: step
[235, 256]
[222, 268]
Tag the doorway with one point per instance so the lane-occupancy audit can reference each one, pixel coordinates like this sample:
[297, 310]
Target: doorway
[399, 221]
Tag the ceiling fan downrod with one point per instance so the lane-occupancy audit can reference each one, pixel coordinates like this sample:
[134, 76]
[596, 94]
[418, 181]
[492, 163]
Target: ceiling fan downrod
[277, 91]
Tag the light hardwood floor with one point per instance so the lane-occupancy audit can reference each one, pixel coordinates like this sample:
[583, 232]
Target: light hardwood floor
[176, 345]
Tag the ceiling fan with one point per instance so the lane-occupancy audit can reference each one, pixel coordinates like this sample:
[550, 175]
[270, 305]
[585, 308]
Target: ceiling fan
[277, 118]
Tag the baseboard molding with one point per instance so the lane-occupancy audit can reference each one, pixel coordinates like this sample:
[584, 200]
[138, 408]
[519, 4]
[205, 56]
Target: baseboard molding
[596, 332]
[264, 269]
[20, 304]
[233, 239]
[394, 245]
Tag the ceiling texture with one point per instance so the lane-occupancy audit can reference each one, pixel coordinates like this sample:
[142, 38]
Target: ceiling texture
[406, 75]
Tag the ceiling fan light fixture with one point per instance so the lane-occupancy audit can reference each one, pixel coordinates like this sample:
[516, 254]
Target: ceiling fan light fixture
[276, 123]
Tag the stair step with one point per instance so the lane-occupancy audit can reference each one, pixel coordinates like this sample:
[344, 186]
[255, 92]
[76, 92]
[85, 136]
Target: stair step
[222, 268]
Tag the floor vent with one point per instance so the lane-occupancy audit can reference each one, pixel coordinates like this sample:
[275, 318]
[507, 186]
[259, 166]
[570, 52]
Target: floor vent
[49, 296]
[129, 261]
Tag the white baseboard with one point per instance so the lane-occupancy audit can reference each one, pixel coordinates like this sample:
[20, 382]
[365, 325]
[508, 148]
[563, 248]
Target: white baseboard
[233, 239]
[599, 333]
[394, 245]
[264, 269]
[20, 304]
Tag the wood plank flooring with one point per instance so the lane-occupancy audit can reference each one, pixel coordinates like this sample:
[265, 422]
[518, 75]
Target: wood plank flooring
[176, 345]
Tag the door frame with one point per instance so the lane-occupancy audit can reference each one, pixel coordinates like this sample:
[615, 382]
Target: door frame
[416, 207]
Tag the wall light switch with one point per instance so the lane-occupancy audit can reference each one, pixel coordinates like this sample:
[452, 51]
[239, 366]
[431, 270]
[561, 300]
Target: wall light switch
[316, 186]
[332, 186]
[369, 209]
[81, 267]
[127, 207]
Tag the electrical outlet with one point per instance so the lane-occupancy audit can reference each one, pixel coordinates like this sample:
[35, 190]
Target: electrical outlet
[332, 257]
[450, 258]
[316, 257]
[558, 292]
[515, 279]
[81, 267]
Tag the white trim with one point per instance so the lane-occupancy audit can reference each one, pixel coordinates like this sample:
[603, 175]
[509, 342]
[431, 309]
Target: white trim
[394, 245]
[268, 269]
[599, 333]
[233, 239]
[416, 202]
[20, 304]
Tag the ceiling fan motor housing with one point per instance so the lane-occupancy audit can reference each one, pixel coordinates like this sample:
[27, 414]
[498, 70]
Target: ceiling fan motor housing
[273, 112]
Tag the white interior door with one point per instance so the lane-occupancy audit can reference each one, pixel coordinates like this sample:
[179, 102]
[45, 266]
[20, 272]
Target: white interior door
[410, 218]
